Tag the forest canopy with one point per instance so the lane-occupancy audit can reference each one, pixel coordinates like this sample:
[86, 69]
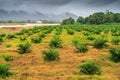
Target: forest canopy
[95, 18]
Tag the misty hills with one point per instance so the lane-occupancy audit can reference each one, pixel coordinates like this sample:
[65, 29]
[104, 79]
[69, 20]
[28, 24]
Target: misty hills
[22, 16]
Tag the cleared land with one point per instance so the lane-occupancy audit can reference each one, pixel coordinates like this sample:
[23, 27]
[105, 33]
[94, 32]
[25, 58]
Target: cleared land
[32, 66]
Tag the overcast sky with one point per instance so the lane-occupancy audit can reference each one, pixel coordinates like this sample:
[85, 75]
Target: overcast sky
[78, 7]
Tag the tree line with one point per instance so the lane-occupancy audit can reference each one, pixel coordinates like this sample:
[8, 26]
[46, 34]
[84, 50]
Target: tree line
[95, 18]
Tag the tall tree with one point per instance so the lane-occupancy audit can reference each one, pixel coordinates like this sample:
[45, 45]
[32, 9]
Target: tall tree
[68, 21]
[81, 20]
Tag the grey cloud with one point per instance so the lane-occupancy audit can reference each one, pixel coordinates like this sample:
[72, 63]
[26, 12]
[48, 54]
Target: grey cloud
[101, 2]
[79, 7]
[29, 2]
[48, 2]
[95, 3]
[57, 2]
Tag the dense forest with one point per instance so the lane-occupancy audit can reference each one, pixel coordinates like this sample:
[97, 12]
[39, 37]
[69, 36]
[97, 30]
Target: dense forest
[95, 18]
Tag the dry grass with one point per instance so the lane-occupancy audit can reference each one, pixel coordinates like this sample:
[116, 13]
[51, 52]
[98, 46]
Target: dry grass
[32, 67]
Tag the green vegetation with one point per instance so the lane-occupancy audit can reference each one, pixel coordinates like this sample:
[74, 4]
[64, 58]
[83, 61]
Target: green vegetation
[58, 30]
[1, 39]
[85, 38]
[80, 20]
[80, 47]
[36, 40]
[7, 57]
[86, 33]
[51, 55]
[99, 42]
[68, 21]
[23, 38]
[8, 45]
[89, 68]
[91, 38]
[56, 42]
[101, 18]
[42, 35]
[70, 31]
[10, 36]
[2, 35]
[4, 70]
[24, 48]
[95, 18]
[115, 54]
[116, 40]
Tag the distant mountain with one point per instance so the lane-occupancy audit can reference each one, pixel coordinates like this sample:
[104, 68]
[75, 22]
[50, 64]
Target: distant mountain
[22, 15]
[67, 15]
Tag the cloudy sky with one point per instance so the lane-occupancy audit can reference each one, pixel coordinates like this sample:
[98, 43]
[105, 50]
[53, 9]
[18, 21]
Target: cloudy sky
[78, 7]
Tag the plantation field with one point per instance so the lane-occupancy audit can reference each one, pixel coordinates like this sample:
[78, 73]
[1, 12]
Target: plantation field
[29, 52]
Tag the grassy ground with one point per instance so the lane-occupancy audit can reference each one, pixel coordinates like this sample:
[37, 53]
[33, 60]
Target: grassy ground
[32, 66]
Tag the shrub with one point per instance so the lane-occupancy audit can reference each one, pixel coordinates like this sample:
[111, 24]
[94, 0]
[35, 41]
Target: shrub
[35, 30]
[116, 40]
[51, 55]
[8, 45]
[97, 31]
[36, 40]
[58, 32]
[90, 38]
[99, 42]
[78, 29]
[48, 30]
[70, 31]
[20, 33]
[10, 36]
[115, 54]
[89, 68]
[56, 42]
[1, 39]
[86, 33]
[42, 35]
[7, 57]
[2, 35]
[116, 33]
[4, 70]
[80, 47]
[29, 33]
[23, 38]
[24, 48]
